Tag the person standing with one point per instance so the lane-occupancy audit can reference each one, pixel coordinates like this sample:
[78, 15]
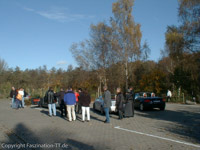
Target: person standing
[80, 91]
[21, 91]
[107, 103]
[119, 103]
[77, 95]
[60, 95]
[18, 98]
[70, 101]
[169, 95]
[85, 100]
[23, 98]
[51, 101]
[153, 95]
[12, 96]
[129, 105]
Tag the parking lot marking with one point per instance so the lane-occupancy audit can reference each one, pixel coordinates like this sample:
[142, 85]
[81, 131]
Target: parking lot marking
[38, 108]
[159, 137]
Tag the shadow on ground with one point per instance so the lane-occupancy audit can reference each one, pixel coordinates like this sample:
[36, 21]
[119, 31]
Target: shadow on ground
[22, 135]
[187, 122]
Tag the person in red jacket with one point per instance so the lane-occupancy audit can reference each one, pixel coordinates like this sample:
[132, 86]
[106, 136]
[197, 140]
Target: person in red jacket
[77, 95]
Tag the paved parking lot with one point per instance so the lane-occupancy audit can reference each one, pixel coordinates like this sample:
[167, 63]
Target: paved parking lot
[178, 127]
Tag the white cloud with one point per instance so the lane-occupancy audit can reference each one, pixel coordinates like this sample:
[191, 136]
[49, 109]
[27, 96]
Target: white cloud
[61, 63]
[60, 15]
[28, 9]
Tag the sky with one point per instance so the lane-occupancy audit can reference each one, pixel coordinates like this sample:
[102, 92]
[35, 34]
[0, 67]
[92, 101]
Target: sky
[34, 33]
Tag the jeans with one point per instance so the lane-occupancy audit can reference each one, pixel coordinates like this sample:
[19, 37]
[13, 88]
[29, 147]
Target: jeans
[87, 109]
[106, 110]
[16, 104]
[12, 102]
[52, 106]
[71, 112]
[19, 103]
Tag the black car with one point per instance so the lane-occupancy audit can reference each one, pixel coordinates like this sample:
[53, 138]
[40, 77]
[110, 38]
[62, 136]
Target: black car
[148, 100]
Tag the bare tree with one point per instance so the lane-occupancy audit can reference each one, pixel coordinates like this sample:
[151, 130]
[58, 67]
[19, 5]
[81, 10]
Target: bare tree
[96, 53]
[127, 33]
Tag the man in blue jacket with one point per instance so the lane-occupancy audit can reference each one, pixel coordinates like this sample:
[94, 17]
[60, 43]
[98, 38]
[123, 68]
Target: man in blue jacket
[70, 101]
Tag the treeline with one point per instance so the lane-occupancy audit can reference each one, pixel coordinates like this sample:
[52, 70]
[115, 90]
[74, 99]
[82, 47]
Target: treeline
[144, 76]
[114, 56]
[37, 81]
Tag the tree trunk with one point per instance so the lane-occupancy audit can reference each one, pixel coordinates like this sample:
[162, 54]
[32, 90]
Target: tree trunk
[100, 87]
[126, 70]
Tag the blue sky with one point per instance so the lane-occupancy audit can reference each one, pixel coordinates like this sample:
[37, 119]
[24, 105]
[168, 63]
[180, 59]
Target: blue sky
[34, 33]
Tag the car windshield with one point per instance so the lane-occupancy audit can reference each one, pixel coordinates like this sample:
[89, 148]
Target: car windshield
[144, 94]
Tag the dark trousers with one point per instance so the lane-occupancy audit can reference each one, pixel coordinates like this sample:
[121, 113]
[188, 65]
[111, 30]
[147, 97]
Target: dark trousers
[120, 114]
[168, 98]
[63, 107]
[78, 108]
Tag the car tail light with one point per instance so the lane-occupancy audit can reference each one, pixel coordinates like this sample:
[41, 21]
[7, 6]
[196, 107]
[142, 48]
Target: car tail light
[163, 100]
[36, 100]
[147, 100]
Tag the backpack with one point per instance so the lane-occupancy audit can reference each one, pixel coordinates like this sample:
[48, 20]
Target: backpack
[19, 97]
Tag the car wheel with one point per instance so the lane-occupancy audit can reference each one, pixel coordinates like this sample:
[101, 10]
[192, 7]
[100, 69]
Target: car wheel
[141, 107]
[162, 108]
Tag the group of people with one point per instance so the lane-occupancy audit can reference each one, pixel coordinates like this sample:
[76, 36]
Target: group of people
[69, 101]
[72, 102]
[125, 104]
[18, 96]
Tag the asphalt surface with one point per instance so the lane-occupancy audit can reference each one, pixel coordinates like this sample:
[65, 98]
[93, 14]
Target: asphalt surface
[176, 128]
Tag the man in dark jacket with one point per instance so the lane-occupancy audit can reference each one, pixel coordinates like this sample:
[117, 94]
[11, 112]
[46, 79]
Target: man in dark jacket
[12, 95]
[70, 101]
[51, 99]
[129, 106]
[85, 100]
[119, 103]
[60, 95]
[107, 103]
